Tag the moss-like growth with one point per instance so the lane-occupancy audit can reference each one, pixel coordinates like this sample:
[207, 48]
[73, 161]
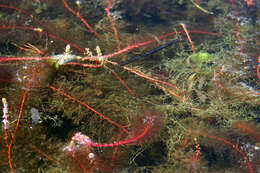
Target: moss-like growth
[199, 94]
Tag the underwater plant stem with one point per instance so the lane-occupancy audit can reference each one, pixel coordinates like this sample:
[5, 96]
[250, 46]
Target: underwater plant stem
[249, 165]
[17, 126]
[112, 22]
[115, 152]
[81, 18]
[21, 111]
[219, 74]
[188, 36]
[124, 142]
[42, 32]
[142, 130]
[151, 79]
[240, 39]
[16, 9]
[142, 56]
[40, 152]
[10, 159]
[90, 108]
[79, 162]
[142, 44]
[186, 139]
[248, 128]
[85, 65]
[22, 11]
[126, 86]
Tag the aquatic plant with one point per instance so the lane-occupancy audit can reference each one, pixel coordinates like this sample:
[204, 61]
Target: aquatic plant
[201, 86]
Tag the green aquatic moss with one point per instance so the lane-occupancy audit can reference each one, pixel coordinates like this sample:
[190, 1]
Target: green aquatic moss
[202, 57]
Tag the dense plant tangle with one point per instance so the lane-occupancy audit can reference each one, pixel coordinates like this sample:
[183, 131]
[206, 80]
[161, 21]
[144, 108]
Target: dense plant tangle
[150, 125]
[65, 71]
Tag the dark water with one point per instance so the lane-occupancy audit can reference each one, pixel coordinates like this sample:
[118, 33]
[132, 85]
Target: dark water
[192, 106]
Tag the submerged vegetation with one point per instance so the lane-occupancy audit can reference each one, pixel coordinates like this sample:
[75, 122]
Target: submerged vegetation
[69, 106]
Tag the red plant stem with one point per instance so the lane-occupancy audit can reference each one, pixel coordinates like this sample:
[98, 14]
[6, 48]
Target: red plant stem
[190, 31]
[16, 128]
[219, 74]
[21, 11]
[149, 78]
[188, 36]
[142, 44]
[124, 84]
[126, 49]
[228, 143]
[248, 128]
[236, 26]
[20, 112]
[154, 80]
[81, 18]
[85, 65]
[186, 140]
[10, 159]
[112, 23]
[128, 141]
[18, 120]
[116, 148]
[16, 9]
[44, 33]
[90, 108]
[79, 162]
[41, 152]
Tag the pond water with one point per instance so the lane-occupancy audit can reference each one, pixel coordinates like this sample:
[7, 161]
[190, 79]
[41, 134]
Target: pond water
[129, 86]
